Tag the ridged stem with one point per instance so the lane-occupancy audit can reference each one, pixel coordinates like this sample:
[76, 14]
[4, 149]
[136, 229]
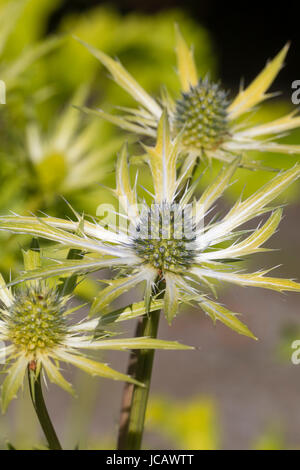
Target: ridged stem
[39, 405]
[135, 398]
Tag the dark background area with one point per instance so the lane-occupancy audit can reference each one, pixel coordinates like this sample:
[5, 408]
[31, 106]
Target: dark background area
[245, 33]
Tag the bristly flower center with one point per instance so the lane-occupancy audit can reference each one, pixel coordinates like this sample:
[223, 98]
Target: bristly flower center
[165, 237]
[36, 320]
[202, 115]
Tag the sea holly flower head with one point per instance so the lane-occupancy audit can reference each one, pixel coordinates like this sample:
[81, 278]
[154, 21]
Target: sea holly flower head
[165, 236]
[212, 125]
[64, 159]
[201, 116]
[171, 251]
[37, 333]
[35, 320]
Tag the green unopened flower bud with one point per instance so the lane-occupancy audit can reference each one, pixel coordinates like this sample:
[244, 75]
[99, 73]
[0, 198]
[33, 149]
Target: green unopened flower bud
[202, 115]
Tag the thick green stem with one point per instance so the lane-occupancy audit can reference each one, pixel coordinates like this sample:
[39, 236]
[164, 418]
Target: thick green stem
[135, 398]
[39, 405]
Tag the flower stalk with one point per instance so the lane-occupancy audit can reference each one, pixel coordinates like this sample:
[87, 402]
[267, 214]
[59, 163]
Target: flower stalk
[39, 405]
[135, 398]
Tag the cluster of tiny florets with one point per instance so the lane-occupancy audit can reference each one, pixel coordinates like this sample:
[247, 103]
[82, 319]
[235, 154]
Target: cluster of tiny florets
[36, 320]
[163, 239]
[201, 115]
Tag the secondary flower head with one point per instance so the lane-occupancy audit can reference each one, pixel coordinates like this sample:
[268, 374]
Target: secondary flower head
[169, 245]
[65, 160]
[201, 115]
[38, 332]
[212, 125]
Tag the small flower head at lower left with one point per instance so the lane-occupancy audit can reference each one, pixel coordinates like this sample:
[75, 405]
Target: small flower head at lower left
[38, 332]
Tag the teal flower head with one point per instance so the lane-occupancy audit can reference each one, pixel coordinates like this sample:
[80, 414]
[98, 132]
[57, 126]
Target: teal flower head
[213, 126]
[169, 245]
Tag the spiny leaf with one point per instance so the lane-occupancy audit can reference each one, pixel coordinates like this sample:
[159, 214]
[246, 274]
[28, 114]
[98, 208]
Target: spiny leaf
[216, 189]
[171, 299]
[5, 294]
[253, 205]
[116, 288]
[124, 79]
[118, 121]
[255, 92]
[94, 368]
[217, 312]
[13, 381]
[126, 194]
[257, 279]
[56, 377]
[64, 267]
[162, 160]
[248, 246]
[128, 313]
[68, 285]
[31, 260]
[134, 343]
[282, 124]
[185, 63]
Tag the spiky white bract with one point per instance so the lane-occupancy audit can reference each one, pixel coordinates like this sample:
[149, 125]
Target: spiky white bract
[37, 332]
[212, 126]
[183, 265]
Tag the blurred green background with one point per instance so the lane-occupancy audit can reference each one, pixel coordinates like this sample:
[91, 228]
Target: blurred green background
[230, 392]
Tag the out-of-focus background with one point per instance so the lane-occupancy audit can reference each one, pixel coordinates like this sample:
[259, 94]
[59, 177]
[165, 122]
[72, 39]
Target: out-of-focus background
[231, 392]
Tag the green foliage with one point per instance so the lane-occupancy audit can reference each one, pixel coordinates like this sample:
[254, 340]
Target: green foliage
[130, 38]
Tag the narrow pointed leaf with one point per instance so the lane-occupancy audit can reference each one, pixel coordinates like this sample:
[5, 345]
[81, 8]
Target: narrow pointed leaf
[5, 294]
[282, 124]
[248, 246]
[56, 377]
[253, 205]
[132, 311]
[133, 343]
[95, 368]
[171, 298]
[217, 312]
[257, 279]
[216, 188]
[255, 92]
[124, 79]
[124, 191]
[118, 287]
[185, 63]
[162, 160]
